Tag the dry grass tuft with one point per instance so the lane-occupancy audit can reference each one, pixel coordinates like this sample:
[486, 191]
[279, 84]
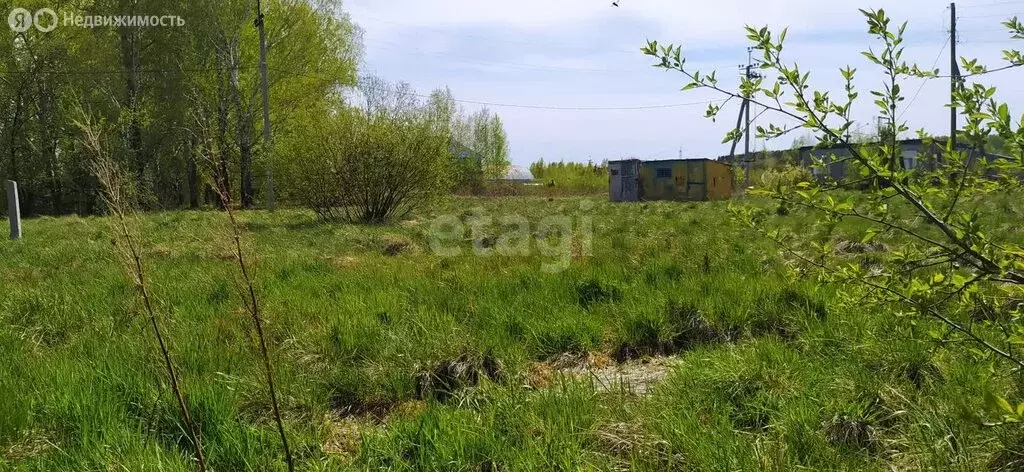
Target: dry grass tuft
[625, 443]
[578, 361]
[854, 247]
[849, 432]
[395, 245]
[344, 262]
[540, 375]
[449, 376]
[344, 435]
[32, 444]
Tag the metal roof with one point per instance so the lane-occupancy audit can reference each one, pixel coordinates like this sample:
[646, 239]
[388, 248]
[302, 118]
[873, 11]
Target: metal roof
[695, 159]
[518, 173]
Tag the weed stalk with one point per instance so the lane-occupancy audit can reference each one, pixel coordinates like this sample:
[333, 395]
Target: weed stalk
[113, 195]
[252, 306]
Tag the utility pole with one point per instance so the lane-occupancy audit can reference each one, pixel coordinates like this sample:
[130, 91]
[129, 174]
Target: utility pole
[746, 137]
[268, 144]
[954, 73]
[739, 121]
[750, 75]
[746, 71]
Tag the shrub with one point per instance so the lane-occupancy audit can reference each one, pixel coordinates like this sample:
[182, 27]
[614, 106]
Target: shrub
[785, 177]
[739, 177]
[572, 177]
[372, 167]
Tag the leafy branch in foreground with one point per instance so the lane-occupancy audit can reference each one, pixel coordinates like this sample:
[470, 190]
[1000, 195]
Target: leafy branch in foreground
[114, 194]
[950, 259]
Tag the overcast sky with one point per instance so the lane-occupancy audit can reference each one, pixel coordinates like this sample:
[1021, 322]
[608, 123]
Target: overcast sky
[586, 54]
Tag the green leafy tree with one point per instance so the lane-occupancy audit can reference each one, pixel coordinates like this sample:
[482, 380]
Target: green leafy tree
[490, 141]
[952, 264]
[497, 163]
[375, 164]
[574, 176]
[161, 89]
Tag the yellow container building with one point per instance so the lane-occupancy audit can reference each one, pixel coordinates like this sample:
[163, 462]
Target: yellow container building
[678, 179]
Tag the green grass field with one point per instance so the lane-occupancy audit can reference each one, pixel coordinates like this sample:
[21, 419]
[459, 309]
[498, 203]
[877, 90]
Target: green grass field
[391, 356]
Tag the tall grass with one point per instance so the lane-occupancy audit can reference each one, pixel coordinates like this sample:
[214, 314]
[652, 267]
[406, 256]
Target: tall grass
[761, 371]
[115, 197]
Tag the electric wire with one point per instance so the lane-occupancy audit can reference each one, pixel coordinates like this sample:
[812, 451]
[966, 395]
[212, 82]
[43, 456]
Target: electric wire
[923, 82]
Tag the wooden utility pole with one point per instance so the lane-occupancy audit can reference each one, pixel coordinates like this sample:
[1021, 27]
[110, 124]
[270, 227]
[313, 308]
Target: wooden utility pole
[954, 73]
[13, 209]
[268, 144]
[746, 136]
[750, 75]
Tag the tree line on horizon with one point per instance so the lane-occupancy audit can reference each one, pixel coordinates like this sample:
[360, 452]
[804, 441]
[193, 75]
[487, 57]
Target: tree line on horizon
[181, 107]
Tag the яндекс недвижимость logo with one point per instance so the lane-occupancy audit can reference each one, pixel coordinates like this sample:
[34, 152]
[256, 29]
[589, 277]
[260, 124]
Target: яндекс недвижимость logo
[20, 20]
[45, 20]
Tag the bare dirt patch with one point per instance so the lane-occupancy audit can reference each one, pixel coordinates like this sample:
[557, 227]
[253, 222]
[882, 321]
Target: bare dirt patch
[637, 376]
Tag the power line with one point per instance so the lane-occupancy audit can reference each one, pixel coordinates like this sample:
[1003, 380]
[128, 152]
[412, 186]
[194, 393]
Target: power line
[473, 102]
[532, 106]
[116, 71]
[405, 50]
[568, 108]
[984, 72]
[993, 15]
[923, 82]
[991, 41]
[1008, 2]
[542, 107]
[486, 38]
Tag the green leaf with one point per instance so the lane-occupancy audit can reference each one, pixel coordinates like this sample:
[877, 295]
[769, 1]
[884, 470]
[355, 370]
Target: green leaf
[996, 402]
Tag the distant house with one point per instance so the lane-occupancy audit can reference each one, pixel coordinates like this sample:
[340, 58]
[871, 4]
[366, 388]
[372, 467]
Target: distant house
[470, 161]
[462, 152]
[916, 154]
[517, 174]
[679, 179]
[469, 171]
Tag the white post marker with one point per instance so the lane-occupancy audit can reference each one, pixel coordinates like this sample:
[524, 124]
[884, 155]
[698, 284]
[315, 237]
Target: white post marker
[13, 209]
